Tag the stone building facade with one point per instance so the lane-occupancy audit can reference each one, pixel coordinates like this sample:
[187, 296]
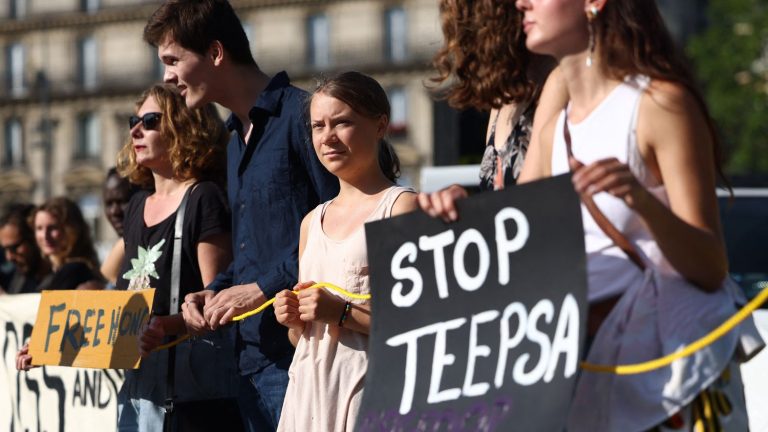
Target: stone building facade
[71, 70]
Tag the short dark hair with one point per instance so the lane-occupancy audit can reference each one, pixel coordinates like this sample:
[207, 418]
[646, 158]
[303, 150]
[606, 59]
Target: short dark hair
[18, 215]
[122, 182]
[366, 97]
[195, 24]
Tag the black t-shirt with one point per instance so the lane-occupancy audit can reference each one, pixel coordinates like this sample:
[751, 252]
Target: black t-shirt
[69, 276]
[206, 215]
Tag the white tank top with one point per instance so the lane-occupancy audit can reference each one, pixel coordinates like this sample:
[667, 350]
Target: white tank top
[609, 131]
[660, 311]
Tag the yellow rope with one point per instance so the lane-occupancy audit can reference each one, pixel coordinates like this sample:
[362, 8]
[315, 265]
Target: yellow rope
[330, 286]
[708, 339]
[171, 343]
[266, 304]
[629, 369]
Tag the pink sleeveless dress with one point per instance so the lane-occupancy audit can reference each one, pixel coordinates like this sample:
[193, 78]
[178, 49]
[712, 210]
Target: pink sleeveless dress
[328, 368]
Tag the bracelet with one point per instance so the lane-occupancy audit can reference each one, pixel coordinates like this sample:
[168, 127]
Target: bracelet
[345, 313]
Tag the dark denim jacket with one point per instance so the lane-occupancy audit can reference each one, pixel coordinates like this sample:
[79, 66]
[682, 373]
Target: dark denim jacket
[272, 183]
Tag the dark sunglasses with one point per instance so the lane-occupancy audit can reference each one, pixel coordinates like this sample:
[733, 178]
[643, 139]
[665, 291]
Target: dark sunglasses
[13, 248]
[150, 120]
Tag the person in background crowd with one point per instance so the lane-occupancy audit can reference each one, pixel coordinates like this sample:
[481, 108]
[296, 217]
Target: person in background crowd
[6, 271]
[64, 240]
[486, 66]
[116, 193]
[638, 139]
[18, 241]
[273, 178]
[349, 117]
[174, 150]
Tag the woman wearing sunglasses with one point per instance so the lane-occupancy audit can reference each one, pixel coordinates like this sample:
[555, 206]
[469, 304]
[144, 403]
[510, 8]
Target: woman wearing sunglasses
[17, 239]
[172, 151]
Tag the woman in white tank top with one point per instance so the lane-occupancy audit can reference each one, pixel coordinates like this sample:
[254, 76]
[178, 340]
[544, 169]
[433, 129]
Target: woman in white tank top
[644, 149]
[349, 116]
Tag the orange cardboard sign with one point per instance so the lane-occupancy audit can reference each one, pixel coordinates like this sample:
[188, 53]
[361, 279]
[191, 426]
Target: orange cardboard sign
[91, 329]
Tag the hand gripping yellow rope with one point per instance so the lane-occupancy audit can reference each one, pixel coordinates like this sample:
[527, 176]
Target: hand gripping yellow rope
[714, 335]
[330, 286]
[266, 304]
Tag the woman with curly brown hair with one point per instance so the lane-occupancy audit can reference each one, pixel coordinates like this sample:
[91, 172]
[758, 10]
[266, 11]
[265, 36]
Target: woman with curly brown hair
[485, 65]
[177, 155]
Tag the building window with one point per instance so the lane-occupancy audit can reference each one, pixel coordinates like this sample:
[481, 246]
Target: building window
[319, 52]
[90, 207]
[87, 62]
[90, 6]
[398, 122]
[18, 9]
[13, 153]
[248, 30]
[15, 62]
[88, 136]
[250, 34]
[396, 35]
[158, 67]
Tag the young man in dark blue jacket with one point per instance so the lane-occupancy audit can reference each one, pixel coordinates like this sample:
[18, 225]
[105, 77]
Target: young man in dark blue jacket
[273, 178]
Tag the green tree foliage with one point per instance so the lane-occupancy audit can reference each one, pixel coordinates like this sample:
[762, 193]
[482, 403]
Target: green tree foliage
[731, 60]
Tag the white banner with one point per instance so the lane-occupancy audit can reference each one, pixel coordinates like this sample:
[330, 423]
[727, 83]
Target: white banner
[50, 398]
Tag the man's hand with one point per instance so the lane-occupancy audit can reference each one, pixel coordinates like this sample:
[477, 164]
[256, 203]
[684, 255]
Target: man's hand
[192, 310]
[231, 302]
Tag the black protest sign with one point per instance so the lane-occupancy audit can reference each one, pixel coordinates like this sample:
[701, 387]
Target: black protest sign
[477, 325]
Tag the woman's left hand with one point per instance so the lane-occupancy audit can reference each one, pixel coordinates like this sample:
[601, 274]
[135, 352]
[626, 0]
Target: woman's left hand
[319, 305]
[151, 336]
[608, 175]
[24, 359]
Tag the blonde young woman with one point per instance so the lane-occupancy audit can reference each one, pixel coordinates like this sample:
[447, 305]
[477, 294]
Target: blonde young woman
[349, 117]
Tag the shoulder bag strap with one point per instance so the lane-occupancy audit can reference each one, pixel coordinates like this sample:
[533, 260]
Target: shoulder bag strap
[611, 231]
[176, 261]
[174, 308]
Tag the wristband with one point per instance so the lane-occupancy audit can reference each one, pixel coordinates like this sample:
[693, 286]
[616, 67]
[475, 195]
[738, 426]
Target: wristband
[345, 313]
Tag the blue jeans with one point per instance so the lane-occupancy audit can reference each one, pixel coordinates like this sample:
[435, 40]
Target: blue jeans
[261, 396]
[138, 415]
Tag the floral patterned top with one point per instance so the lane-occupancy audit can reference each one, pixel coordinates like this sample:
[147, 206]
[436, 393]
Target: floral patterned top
[501, 167]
